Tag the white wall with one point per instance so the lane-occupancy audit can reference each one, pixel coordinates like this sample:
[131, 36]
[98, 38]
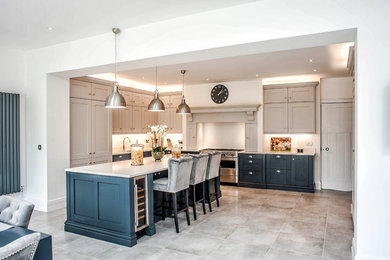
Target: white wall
[278, 19]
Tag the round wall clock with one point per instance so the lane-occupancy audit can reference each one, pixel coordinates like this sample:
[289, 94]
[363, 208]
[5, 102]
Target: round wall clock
[219, 94]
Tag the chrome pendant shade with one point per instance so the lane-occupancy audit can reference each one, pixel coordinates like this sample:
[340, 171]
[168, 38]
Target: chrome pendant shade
[156, 105]
[183, 108]
[115, 99]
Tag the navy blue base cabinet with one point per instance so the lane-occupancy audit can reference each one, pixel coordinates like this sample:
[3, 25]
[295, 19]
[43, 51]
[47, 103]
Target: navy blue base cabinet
[103, 207]
[276, 171]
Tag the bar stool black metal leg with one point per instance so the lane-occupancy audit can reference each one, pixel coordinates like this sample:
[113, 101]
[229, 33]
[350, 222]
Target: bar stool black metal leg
[194, 200]
[216, 190]
[163, 206]
[208, 195]
[187, 208]
[204, 198]
[174, 201]
[170, 205]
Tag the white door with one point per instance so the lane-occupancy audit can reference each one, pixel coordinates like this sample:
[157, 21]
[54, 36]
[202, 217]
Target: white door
[336, 143]
[101, 130]
[80, 129]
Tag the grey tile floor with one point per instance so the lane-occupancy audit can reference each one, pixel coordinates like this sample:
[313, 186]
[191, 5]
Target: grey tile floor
[249, 224]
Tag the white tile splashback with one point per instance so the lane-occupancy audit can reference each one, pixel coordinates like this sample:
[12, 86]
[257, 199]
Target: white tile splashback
[117, 141]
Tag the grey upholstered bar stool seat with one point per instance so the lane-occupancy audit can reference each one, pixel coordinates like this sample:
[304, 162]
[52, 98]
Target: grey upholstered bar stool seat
[15, 212]
[179, 173]
[21, 249]
[198, 175]
[213, 174]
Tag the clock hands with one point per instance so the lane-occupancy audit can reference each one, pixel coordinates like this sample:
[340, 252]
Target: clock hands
[221, 92]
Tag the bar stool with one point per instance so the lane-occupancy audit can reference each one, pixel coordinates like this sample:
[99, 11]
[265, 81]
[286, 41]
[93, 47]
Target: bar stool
[198, 175]
[179, 173]
[213, 174]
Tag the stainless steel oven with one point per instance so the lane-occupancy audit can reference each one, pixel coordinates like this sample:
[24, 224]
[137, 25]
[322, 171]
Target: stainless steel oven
[229, 164]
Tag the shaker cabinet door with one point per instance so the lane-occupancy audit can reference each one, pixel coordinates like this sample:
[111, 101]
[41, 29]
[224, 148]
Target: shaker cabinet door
[275, 118]
[80, 129]
[100, 92]
[101, 130]
[80, 89]
[301, 94]
[277, 95]
[301, 173]
[250, 137]
[302, 117]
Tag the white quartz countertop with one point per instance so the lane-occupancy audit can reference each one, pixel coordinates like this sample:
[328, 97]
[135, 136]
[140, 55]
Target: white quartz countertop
[123, 169]
[283, 153]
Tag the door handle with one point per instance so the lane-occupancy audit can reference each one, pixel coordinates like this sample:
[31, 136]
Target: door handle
[250, 173]
[277, 156]
[277, 171]
[327, 149]
[250, 161]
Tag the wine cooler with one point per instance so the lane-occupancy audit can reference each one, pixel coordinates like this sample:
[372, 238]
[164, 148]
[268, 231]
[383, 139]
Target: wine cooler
[141, 203]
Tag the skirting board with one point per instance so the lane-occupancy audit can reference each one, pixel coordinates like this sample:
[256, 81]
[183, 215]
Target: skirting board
[55, 204]
[369, 257]
[317, 186]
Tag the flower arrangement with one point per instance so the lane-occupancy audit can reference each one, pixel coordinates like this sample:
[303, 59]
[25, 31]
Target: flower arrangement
[157, 134]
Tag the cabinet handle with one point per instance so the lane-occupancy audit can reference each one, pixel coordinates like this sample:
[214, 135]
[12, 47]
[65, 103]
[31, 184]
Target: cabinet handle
[120, 156]
[277, 171]
[250, 173]
[277, 156]
[89, 93]
[293, 159]
[94, 162]
[90, 153]
[93, 94]
[90, 163]
[93, 152]
[250, 161]
[250, 156]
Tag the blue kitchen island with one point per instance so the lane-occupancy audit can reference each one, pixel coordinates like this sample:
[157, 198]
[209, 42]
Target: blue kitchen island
[112, 201]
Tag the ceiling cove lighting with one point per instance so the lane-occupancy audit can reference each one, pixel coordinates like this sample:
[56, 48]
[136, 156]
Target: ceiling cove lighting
[156, 105]
[183, 108]
[115, 99]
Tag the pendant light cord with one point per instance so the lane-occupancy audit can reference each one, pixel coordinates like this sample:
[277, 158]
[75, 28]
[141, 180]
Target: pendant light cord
[156, 77]
[116, 55]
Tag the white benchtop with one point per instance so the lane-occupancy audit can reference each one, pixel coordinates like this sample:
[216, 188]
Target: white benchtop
[123, 169]
[283, 153]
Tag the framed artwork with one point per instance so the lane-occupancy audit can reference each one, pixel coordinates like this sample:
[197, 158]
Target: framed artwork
[280, 144]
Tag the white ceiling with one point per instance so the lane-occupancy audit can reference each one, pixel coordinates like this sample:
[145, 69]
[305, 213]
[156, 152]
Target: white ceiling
[327, 61]
[24, 23]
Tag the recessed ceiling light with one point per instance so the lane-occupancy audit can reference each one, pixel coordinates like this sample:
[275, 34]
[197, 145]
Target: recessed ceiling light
[257, 75]
[143, 77]
[310, 60]
[207, 79]
[50, 28]
[315, 70]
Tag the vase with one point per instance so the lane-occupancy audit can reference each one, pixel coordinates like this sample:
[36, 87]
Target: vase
[158, 155]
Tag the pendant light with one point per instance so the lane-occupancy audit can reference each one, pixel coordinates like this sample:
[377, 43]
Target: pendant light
[156, 105]
[183, 108]
[115, 99]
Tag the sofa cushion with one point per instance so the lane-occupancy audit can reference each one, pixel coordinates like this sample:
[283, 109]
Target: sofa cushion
[15, 212]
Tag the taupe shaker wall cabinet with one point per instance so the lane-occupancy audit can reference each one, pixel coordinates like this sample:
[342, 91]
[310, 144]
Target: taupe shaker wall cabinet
[88, 90]
[90, 132]
[290, 108]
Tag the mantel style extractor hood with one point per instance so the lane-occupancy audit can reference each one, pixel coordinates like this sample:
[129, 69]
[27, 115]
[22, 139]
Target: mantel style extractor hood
[248, 109]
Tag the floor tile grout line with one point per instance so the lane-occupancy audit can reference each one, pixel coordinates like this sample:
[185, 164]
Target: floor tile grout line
[326, 227]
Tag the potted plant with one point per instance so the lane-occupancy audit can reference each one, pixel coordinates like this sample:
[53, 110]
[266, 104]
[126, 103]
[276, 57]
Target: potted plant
[157, 134]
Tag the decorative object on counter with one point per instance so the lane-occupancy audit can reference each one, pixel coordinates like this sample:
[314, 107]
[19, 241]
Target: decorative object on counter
[115, 99]
[176, 152]
[156, 105]
[219, 94]
[280, 144]
[183, 108]
[137, 154]
[124, 143]
[300, 150]
[169, 143]
[181, 144]
[157, 134]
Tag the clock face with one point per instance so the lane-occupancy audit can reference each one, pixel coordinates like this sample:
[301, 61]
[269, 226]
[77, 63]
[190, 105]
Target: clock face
[219, 94]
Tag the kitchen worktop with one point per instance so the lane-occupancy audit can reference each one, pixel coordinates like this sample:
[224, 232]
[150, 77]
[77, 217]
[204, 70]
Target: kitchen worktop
[310, 153]
[123, 169]
[148, 150]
